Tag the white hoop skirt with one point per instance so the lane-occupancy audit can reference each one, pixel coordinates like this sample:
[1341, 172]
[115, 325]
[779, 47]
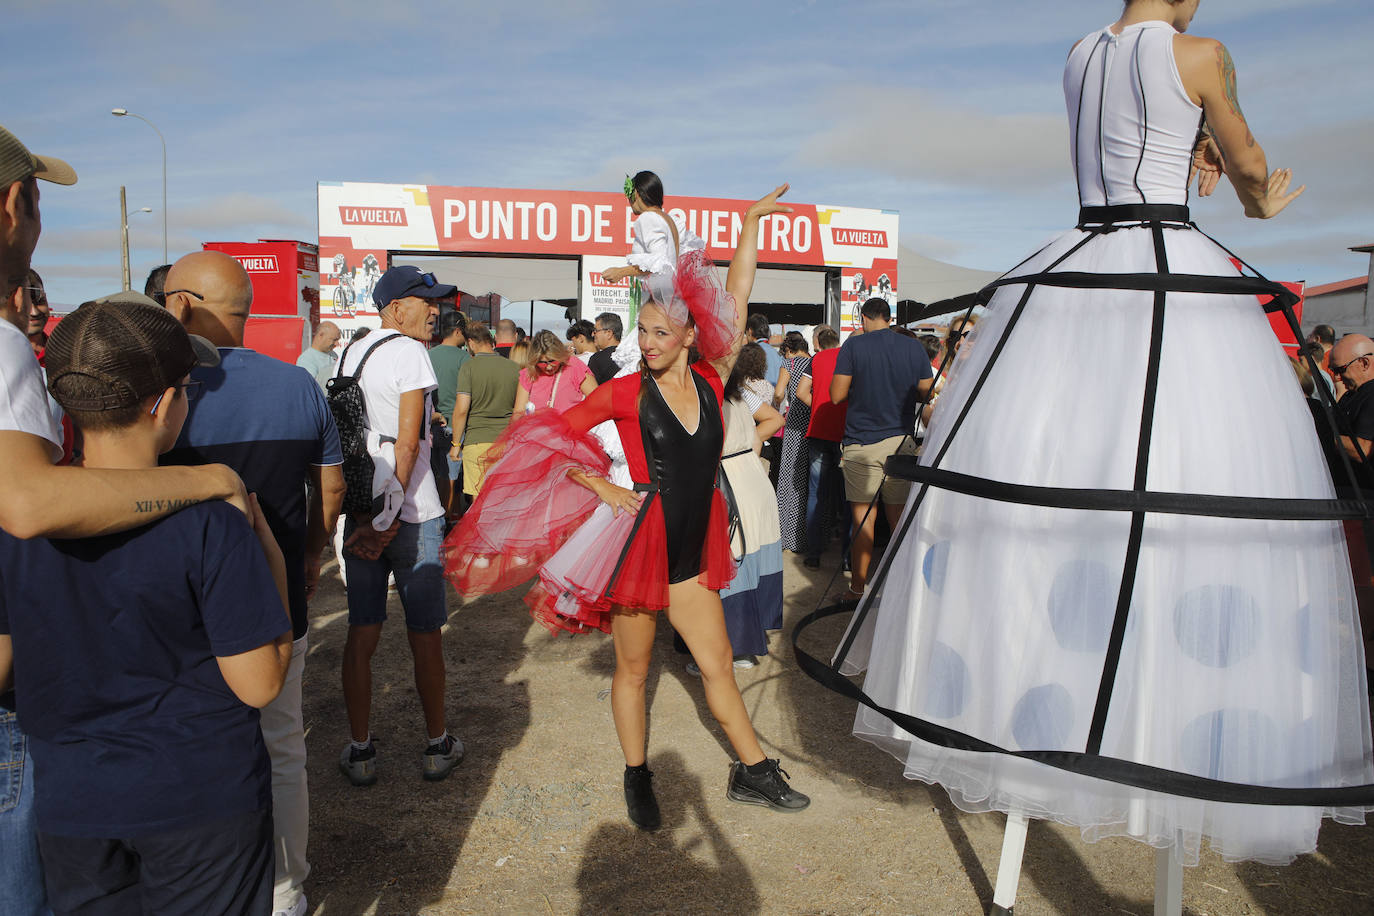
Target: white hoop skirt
[1241, 659]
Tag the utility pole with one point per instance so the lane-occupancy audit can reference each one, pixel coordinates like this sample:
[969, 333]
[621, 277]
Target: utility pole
[123, 239]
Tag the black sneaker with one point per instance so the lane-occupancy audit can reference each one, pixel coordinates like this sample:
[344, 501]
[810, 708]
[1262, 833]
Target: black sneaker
[639, 798]
[769, 789]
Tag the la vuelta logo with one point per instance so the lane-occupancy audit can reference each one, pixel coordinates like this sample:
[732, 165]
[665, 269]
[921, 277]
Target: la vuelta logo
[859, 238]
[372, 216]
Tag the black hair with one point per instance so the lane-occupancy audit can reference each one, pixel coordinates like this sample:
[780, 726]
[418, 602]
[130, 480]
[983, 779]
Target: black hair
[877, 307]
[649, 187]
[157, 282]
[611, 322]
[1325, 333]
[581, 328]
[932, 344]
[450, 322]
[758, 326]
[794, 342]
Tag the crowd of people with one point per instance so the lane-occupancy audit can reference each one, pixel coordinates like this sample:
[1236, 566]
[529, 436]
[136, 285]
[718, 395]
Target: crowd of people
[146, 406]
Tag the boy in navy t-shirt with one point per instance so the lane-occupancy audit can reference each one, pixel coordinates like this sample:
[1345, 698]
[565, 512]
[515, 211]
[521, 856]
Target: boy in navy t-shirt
[139, 659]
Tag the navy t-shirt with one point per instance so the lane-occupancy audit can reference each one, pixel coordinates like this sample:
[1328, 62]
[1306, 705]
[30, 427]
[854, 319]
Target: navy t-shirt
[131, 725]
[885, 367]
[268, 421]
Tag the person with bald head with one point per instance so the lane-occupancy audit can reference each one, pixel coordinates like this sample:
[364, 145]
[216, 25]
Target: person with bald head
[269, 421]
[1352, 365]
[319, 359]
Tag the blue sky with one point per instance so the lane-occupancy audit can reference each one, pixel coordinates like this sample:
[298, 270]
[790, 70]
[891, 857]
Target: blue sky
[947, 110]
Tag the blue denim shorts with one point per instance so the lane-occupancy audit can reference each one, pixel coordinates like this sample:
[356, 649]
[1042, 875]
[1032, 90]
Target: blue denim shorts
[413, 557]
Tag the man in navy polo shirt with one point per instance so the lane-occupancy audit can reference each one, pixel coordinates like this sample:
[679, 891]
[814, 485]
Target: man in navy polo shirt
[269, 421]
[137, 657]
[884, 377]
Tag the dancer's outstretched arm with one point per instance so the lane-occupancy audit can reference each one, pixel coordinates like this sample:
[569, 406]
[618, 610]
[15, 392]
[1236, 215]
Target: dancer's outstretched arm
[739, 281]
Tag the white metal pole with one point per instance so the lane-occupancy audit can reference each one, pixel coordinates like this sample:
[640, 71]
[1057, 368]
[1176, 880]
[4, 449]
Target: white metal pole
[1009, 868]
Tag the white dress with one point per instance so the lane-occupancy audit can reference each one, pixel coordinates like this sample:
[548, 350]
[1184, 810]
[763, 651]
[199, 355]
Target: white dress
[651, 248]
[1240, 655]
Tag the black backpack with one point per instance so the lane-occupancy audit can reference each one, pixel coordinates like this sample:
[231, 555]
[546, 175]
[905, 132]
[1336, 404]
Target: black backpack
[345, 397]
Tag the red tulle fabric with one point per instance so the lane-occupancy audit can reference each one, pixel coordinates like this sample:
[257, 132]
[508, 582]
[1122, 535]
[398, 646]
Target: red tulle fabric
[530, 519]
[527, 506]
[717, 559]
[581, 597]
[695, 288]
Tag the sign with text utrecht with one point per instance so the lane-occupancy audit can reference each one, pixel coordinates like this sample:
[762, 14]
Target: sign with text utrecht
[359, 223]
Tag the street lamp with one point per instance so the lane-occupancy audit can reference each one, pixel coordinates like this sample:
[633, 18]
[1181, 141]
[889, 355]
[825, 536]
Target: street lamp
[125, 113]
[124, 237]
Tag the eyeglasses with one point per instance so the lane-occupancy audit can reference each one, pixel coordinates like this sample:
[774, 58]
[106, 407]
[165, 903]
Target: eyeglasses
[1340, 370]
[37, 295]
[189, 292]
[192, 390]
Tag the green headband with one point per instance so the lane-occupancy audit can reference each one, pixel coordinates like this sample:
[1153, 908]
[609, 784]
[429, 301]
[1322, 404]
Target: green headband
[629, 189]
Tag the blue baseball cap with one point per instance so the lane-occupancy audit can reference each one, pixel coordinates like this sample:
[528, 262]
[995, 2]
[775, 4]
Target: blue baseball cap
[400, 282]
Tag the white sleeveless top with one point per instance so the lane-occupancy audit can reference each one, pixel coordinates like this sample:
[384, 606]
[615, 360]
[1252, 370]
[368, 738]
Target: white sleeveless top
[1132, 127]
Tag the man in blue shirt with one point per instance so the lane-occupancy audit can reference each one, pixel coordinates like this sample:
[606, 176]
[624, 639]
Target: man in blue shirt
[268, 421]
[884, 377]
[137, 658]
[758, 329]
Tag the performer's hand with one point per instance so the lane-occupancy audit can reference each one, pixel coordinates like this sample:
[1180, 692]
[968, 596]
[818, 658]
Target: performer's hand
[615, 274]
[618, 498]
[768, 204]
[1277, 196]
[1207, 165]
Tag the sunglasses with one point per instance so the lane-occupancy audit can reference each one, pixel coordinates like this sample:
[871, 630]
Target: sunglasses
[547, 362]
[1340, 370]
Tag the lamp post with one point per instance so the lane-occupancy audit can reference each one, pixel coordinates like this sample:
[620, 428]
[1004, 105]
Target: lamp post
[124, 238]
[125, 113]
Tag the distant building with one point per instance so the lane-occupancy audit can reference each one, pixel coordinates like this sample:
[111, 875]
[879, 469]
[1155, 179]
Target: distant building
[1345, 304]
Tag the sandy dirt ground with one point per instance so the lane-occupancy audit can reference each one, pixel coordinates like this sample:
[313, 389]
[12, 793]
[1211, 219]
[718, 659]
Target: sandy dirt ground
[533, 821]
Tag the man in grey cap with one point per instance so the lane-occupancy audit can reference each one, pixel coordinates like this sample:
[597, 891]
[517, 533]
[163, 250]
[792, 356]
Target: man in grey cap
[55, 501]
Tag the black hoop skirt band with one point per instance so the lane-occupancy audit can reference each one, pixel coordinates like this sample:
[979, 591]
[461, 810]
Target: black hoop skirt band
[1119, 596]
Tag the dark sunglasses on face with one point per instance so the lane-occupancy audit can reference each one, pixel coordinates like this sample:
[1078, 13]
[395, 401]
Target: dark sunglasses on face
[1340, 370]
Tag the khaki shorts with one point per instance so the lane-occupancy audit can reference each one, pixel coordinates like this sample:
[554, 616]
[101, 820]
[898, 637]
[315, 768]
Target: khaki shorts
[474, 466]
[863, 470]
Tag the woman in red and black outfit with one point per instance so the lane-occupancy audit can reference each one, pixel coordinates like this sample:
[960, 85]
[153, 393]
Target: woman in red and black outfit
[668, 548]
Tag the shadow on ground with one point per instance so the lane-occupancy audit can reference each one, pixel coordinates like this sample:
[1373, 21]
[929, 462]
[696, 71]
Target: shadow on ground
[390, 848]
[688, 866]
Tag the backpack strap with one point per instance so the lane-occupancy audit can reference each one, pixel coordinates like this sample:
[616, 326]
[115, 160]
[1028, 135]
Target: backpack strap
[358, 372]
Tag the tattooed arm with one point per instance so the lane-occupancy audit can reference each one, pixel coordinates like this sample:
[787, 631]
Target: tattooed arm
[1209, 76]
[42, 500]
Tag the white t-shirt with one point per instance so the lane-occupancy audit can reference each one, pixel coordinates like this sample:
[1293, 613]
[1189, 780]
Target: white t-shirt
[23, 400]
[392, 371]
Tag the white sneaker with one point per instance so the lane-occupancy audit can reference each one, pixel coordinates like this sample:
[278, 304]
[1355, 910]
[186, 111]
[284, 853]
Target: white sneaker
[746, 661]
[298, 909]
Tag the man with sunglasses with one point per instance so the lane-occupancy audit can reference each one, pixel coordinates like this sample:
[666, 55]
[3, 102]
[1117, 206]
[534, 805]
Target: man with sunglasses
[1352, 364]
[269, 421]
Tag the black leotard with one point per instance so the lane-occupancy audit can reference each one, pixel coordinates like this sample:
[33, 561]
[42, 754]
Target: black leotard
[685, 466]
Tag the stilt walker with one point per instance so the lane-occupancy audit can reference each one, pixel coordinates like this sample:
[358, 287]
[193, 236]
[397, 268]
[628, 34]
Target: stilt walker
[1120, 597]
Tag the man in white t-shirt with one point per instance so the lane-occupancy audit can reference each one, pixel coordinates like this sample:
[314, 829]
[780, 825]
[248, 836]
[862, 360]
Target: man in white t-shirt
[54, 501]
[397, 383]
